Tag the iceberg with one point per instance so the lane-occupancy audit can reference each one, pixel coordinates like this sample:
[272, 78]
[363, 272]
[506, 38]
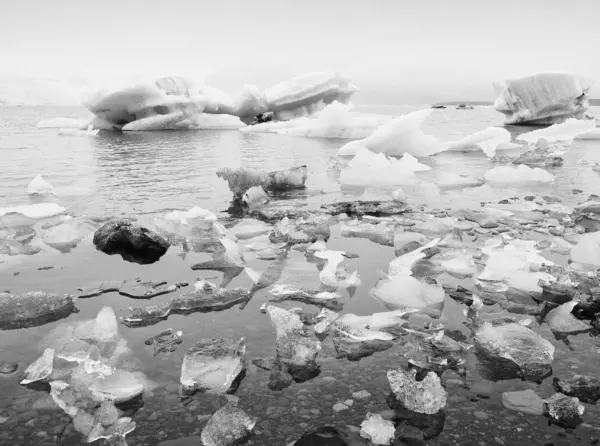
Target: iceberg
[564, 132]
[544, 98]
[176, 102]
[303, 95]
[403, 135]
[244, 178]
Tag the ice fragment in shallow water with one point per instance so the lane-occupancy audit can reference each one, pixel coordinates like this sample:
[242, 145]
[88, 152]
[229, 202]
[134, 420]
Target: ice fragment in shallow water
[544, 98]
[377, 430]
[40, 369]
[242, 179]
[562, 322]
[249, 228]
[516, 175]
[39, 186]
[401, 292]
[212, 365]
[427, 396]
[255, 197]
[228, 426]
[564, 132]
[512, 350]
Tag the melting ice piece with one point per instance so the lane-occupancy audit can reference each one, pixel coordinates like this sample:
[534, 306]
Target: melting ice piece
[403, 265]
[212, 365]
[517, 175]
[564, 410]
[35, 211]
[564, 132]
[333, 273]
[544, 98]
[488, 140]
[296, 352]
[40, 369]
[451, 180]
[427, 396]
[381, 233]
[587, 249]
[399, 136]
[368, 168]
[255, 197]
[243, 178]
[39, 186]
[321, 299]
[249, 228]
[355, 341]
[76, 132]
[377, 430]
[401, 292]
[229, 425]
[512, 350]
[325, 318]
[185, 223]
[562, 322]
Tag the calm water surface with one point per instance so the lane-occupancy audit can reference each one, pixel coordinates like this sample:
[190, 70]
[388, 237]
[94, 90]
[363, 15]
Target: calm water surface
[142, 174]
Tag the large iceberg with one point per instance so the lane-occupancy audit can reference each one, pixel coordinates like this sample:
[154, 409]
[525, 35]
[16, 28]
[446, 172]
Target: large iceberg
[544, 98]
[180, 103]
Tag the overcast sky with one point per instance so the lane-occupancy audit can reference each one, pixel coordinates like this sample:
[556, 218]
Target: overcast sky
[425, 44]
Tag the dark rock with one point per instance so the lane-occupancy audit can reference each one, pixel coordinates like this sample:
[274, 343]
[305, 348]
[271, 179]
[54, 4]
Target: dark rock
[586, 388]
[34, 309]
[134, 243]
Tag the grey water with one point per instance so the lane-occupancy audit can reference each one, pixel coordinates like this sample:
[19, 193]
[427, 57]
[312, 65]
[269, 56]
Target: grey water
[148, 173]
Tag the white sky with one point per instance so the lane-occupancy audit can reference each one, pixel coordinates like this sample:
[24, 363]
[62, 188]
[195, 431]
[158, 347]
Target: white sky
[423, 44]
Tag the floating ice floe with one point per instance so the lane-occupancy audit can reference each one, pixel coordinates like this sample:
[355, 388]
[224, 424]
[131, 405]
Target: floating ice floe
[544, 98]
[335, 121]
[403, 135]
[517, 175]
[39, 186]
[587, 250]
[89, 131]
[563, 132]
[334, 274]
[242, 179]
[376, 169]
[35, 211]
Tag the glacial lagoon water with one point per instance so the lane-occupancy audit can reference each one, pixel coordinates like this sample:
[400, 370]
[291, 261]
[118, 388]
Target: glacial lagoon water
[148, 173]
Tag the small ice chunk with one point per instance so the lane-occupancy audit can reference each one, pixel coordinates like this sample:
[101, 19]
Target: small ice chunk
[212, 365]
[40, 369]
[377, 430]
[488, 140]
[398, 195]
[427, 396]
[516, 175]
[401, 292]
[249, 228]
[229, 425]
[39, 186]
[255, 197]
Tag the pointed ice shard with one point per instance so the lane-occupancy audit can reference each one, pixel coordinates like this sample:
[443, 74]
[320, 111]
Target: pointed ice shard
[40, 369]
[39, 186]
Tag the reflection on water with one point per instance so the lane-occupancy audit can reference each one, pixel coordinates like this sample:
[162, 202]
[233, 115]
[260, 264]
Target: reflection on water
[143, 173]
